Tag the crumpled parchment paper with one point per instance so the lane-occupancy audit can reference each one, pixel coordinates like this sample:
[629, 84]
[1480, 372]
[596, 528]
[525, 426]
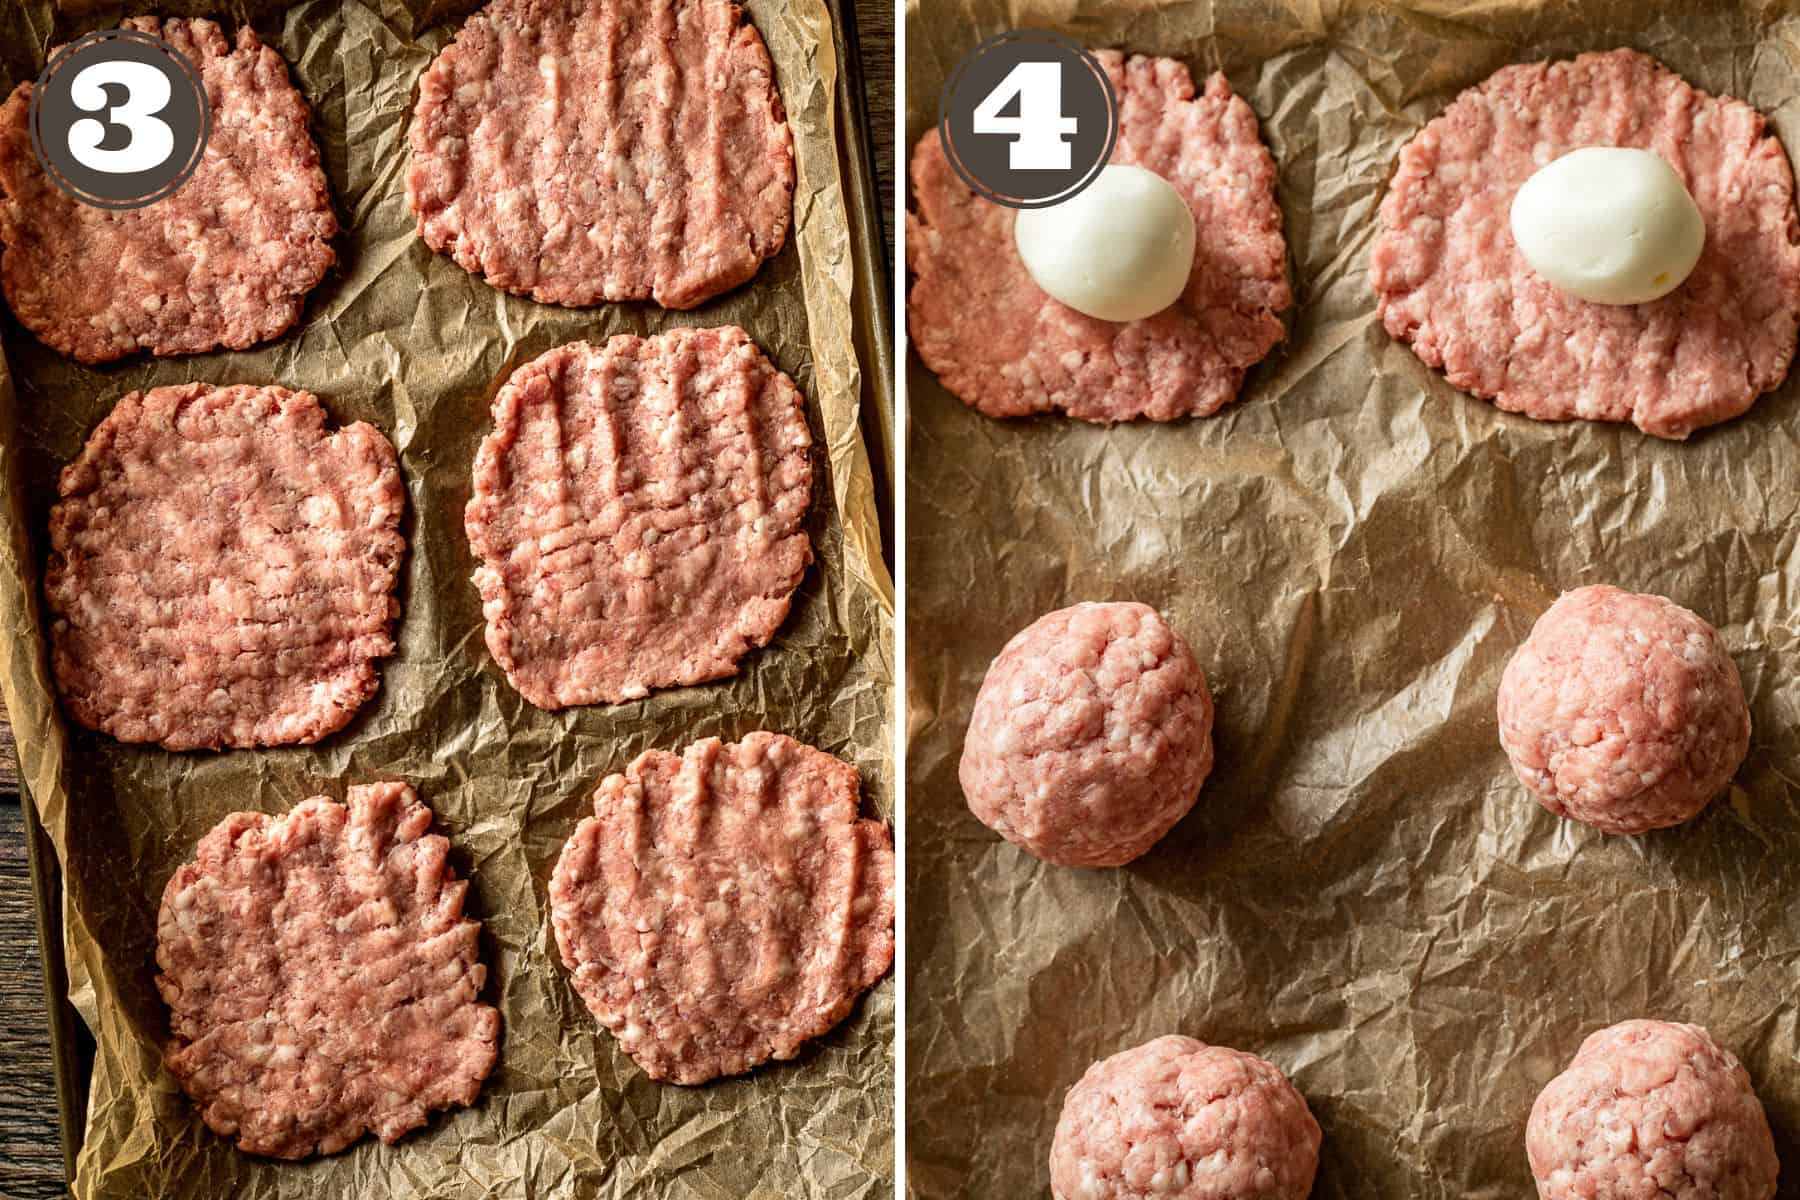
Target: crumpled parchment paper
[407, 340]
[1363, 894]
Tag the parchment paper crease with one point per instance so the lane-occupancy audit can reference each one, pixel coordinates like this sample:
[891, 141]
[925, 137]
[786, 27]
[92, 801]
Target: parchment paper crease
[1363, 894]
[406, 340]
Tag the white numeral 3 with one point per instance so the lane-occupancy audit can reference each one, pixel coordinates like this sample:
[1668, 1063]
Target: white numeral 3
[147, 93]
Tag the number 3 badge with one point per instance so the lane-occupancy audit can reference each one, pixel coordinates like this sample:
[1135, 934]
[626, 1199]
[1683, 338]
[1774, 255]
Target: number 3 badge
[119, 119]
[1028, 118]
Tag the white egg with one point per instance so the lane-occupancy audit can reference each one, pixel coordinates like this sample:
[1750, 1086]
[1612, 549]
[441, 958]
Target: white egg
[1610, 225]
[1120, 249]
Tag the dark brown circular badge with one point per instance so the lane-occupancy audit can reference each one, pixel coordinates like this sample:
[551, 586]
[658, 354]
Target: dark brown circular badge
[1028, 118]
[119, 119]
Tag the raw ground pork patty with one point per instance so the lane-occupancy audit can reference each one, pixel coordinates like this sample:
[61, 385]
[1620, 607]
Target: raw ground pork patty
[637, 514]
[1651, 1111]
[576, 151]
[1450, 281]
[996, 340]
[225, 261]
[1091, 735]
[724, 906]
[321, 978]
[1623, 711]
[222, 569]
[1176, 1119]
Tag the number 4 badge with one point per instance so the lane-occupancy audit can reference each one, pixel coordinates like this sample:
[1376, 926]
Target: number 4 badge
[1028, 118]
[1041, 133]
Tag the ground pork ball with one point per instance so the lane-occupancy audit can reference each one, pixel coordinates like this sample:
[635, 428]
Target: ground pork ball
[1651, 1111]
[1176, 1119]
[1623, 711]
[1091, 735]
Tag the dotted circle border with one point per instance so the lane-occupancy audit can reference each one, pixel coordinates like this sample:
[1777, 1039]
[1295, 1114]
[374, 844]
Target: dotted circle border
[63, 58]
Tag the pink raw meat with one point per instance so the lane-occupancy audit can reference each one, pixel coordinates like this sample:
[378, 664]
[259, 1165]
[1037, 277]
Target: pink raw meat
[1450, 281]
[1091, 735]
[222, 569]
[226, 261]
[321, 978]
[1623, 711]
[724, 906]
[577, 151]
[638, 514]
[1006, 349]
[1176, 1119]
[1651, 1111]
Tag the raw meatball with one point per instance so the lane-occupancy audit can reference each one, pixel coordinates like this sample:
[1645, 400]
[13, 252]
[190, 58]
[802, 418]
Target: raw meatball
[1622, 711]
[1176, 1119]
[1654, 1111]
[1091, 736]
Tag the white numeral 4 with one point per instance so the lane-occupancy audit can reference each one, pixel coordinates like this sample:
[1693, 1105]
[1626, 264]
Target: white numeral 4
[1038, 132]
[146, 94]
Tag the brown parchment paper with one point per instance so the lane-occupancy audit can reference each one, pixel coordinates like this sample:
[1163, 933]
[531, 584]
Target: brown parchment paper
[406, 340]
[1363, 893]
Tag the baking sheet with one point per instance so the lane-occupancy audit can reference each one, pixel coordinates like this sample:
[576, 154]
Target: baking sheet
[405, 339]
[1363, 894]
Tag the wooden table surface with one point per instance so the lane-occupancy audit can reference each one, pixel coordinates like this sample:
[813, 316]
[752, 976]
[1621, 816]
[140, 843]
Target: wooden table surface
[31, 1163]
[875, 30]
[31, 1166]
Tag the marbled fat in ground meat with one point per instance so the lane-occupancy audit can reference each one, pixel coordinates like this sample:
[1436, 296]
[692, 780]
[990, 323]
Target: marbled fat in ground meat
[1091, 735]
[1450, 281]
[222, 569]
[1005, 348]
[1650, 1110]
[226, 261]
[724, 906]
[322, 980]
[1176, 1119]
[577, 151]
[1623, 711]
[638, 514]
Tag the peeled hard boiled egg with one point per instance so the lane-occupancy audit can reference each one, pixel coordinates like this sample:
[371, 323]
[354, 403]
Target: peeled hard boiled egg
[1610, 225]
[1120, 249]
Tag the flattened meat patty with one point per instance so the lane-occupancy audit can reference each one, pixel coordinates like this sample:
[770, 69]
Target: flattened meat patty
[722, 907]
[226, 261]
[321, 978]
[637, 514]
[1005, 348]
[222, 569]
[1450, 280]
[576, 151]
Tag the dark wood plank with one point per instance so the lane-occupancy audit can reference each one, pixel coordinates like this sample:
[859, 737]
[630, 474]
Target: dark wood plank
[875, 30]
[9, 761]
[31, 1162]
